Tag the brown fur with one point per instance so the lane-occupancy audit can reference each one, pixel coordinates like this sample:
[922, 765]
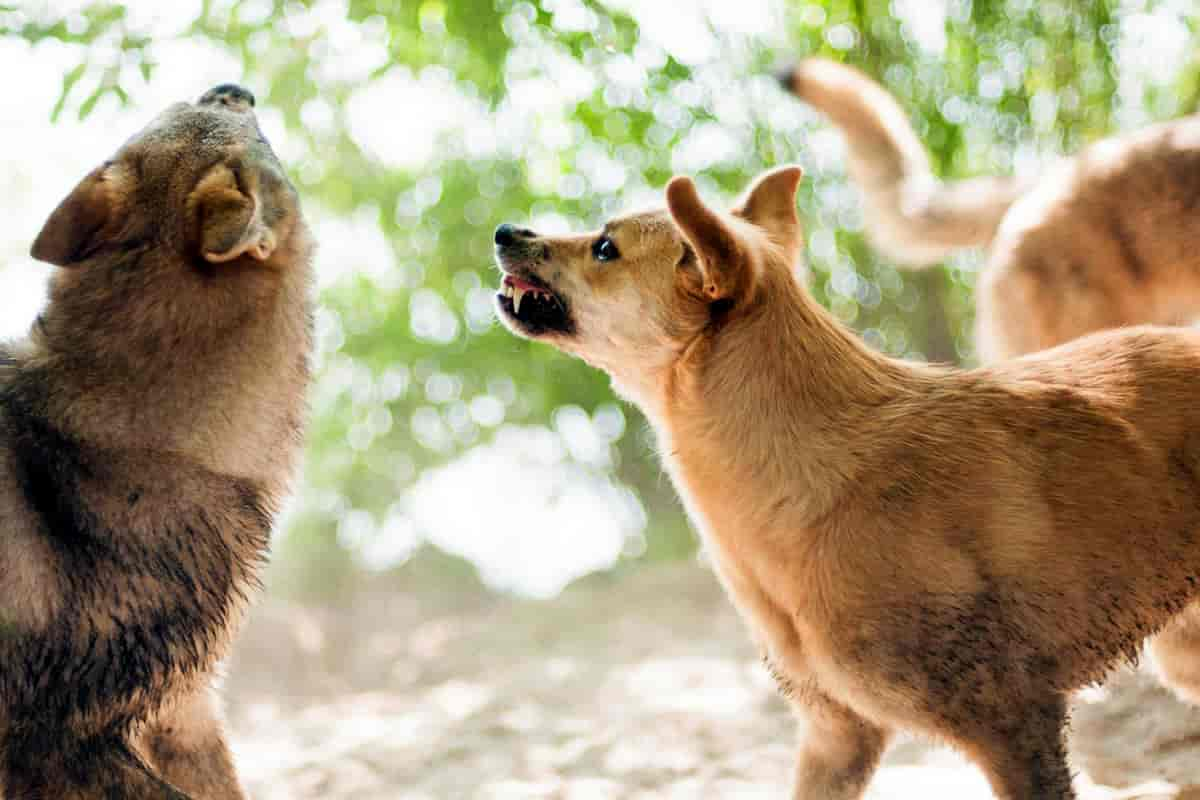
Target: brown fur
[1104, 239]
[948, 552]
[149, 427]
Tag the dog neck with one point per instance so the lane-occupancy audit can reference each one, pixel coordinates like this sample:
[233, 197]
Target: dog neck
[227, 395]
[765, 410]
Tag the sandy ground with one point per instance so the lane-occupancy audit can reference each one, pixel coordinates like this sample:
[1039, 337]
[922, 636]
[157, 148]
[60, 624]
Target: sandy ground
[643, 687]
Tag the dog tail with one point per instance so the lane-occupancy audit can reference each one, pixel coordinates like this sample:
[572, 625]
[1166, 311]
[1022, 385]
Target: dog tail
[910, 215]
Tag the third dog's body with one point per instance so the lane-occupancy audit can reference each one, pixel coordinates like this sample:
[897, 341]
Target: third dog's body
[1103, 239]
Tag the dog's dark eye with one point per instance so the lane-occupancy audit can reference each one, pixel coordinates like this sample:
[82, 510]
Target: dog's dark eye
[605, 250]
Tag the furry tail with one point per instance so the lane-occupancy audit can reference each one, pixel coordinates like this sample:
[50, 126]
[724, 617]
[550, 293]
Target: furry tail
[911, 216]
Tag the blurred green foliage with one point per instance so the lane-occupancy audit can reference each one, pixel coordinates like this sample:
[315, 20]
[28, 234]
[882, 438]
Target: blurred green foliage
[412, 361]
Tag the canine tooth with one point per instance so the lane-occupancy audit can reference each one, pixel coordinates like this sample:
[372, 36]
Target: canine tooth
[517, 295]
[508, 290]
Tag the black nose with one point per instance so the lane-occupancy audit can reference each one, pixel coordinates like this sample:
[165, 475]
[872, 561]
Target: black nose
[229, 95]
[509, 234]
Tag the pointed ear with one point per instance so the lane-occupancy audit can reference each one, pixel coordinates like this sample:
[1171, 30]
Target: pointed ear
[770, 203]
[228, 211]
[75, 229]
[715, 243]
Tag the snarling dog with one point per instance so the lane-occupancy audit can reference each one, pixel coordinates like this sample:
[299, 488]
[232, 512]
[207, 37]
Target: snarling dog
[1103, 239]
[947, 552]
[149, 426]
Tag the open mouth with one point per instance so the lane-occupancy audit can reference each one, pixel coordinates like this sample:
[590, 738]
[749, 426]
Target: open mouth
[532, 306]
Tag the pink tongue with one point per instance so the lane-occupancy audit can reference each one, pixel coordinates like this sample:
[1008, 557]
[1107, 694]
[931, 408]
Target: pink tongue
[524, 286]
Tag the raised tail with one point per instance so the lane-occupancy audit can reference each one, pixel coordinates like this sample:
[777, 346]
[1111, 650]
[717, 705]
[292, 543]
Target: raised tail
[911, 215]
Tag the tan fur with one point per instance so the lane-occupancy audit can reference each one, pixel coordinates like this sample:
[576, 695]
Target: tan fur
[1103, 239]
[149, 428]
[910, 214]
[948, 552]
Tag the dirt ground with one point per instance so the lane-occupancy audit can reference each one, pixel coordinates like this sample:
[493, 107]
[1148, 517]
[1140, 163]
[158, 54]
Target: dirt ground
[642, 687]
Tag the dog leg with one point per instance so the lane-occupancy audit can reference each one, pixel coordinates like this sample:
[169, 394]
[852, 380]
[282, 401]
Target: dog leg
[839, 751]
[1025, 757]
[187, 745]
[1176, 652]
[104, 768]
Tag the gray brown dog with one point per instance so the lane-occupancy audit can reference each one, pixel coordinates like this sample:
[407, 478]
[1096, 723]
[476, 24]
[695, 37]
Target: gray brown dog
[947, 552]
[149, 426]
[1103, 239]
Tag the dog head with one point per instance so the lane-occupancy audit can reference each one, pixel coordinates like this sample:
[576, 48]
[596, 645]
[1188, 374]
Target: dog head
[179, 319]
[189, 231]
[199, 181]
[633, 296]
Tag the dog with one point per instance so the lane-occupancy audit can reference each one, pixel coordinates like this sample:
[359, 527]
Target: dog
[914, 547]
[149, 427]
[1101, 240]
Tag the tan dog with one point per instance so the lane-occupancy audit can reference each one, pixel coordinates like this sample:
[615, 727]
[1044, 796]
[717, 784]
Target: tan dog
[915, 548]
[1104, 239]
[149, 427]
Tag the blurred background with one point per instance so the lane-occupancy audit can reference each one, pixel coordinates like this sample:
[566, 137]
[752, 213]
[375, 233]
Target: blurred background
[456, 477]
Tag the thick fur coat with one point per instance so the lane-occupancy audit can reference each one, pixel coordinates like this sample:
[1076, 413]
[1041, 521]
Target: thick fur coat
[149, 428]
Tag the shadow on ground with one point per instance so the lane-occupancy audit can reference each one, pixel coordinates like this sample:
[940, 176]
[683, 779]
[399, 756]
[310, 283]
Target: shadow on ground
[642, 687]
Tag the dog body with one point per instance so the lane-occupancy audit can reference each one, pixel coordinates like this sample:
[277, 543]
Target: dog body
[913, 547]
[148, 430]
[1104, 239]
[1101, 240]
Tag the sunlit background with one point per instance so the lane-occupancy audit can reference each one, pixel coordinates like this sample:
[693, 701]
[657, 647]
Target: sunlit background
[413, 128]
[440, 444]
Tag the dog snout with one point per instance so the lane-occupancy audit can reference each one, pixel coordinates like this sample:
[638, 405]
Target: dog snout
[229, 95]
[508, 235]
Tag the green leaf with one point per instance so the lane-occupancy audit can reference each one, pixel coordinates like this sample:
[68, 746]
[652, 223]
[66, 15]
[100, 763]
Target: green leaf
[68, 83]
[87, 105]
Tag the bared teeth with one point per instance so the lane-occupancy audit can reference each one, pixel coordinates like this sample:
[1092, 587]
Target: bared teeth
[517, 294]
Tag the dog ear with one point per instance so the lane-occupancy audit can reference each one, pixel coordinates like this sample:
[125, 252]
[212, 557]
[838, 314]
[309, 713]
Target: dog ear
[227, 207]
[714, 242]
[74, 229]
[770, 203]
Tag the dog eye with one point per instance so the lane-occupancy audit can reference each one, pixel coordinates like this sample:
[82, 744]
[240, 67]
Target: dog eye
[605, 250]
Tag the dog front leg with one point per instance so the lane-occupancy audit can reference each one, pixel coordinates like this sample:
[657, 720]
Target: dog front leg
[186, 744]
[82, 770]
[1176, 652]
[1022, 752]
[839, 751]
